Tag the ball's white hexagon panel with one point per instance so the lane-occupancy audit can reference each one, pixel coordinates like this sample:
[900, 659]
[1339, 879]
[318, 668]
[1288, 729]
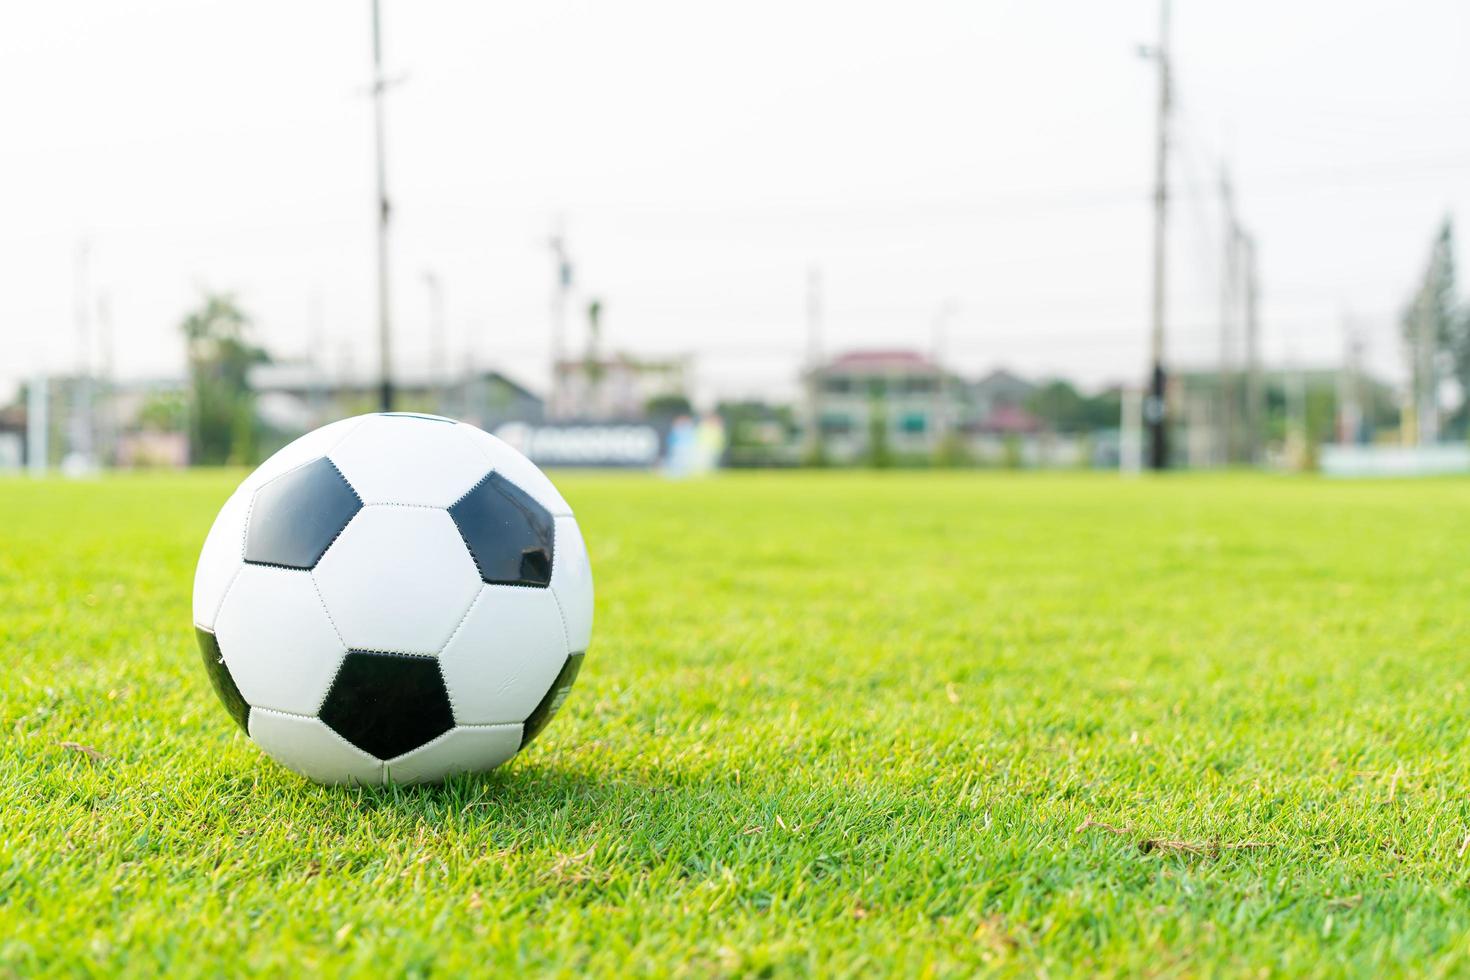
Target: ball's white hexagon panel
[398, 580]
[314, 445]
[307, 746]
[571, 580]
[475, 749]
[409, 459]
[515, 467]
[220, 558]
[277, 640]
[502, 661]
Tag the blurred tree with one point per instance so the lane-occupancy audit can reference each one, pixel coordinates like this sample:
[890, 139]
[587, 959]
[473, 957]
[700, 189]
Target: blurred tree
[1449, 321]
[164, 411]
[665, 408]
[1057, 404]
[880, 456]
[593, 357]
[222, 421]
[758, 433]
[951, 450]
[1062, 408]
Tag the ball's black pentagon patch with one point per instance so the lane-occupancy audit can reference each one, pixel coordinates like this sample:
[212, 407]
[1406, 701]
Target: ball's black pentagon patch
[298, 515]
[509, 534]
[220, 679]
[388, 703]
[555, 697]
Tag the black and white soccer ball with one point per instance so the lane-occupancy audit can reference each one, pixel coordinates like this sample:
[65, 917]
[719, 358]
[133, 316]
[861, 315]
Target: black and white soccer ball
[393, 598]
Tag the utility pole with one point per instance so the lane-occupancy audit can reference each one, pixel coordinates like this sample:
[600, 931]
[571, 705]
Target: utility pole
[38, 426]
[105, 422]
[1296, 411]
[1349, 396]
[1130, 432]
[593, 366]
[1255, 392]
[1427, 410]
[560, 293]
[385, 339]
[812, 436]
[941, 419]
[438, 343]
[81, 441]
[1155, 406]
[1229, 280]
[814, 315]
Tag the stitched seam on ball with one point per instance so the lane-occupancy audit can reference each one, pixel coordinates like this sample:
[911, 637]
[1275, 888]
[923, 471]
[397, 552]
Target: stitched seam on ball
[365, 506]
[465, 618]
[564, 511]
[343, 529]
[333, 732]
[289, 714]
[433, 741]
[566, 634]
[478, 484]
[448, 688]
[341, 657]
[245, 527]
[327, 692]
[250, 510]
[394, 653]
[343, 438]
[276, 564]
[338, 470]
[288, 472]
[476, 558]
[448, 694]
[224, 595]
[382, 764]
[325, 611]
[479, 569]
[489, 458]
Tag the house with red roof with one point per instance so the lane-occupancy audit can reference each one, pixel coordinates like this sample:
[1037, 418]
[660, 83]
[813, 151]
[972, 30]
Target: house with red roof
[893, 401]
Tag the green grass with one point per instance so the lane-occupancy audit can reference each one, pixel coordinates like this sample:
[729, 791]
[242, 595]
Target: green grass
[829, 723]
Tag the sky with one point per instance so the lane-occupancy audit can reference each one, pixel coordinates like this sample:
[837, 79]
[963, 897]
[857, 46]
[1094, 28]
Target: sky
[967, 176]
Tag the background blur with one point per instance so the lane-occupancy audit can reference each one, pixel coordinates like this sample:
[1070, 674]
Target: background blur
[661, 234]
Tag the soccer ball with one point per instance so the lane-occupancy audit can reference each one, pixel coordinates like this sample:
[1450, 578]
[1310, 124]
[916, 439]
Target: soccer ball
[393, 598]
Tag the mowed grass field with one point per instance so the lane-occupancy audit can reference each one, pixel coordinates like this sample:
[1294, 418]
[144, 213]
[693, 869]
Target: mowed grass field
[829, 723]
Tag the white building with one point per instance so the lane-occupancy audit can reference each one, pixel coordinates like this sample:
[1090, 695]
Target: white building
[900, 394]
[614, 388]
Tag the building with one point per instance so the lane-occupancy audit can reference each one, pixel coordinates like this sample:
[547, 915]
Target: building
[997, 404]
[615, 388]
[292, 398]
[91, 421]
[869, 404]
[12, 437]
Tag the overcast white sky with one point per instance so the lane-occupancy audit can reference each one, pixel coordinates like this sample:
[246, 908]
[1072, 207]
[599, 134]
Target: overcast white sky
[993, 154]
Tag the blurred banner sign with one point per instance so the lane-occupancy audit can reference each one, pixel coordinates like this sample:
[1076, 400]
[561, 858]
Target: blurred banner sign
[635, 445]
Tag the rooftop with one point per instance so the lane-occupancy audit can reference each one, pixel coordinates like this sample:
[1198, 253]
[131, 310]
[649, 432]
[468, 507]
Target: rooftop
[881, 360]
